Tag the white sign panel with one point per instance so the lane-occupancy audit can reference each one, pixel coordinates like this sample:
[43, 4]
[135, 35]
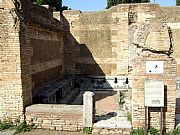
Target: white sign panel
[154, 67]
[154, 93]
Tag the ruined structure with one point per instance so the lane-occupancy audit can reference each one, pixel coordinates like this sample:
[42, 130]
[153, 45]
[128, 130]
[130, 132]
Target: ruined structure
[37, 49]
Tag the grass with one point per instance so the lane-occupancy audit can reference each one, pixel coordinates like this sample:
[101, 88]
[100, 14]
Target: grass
[154, 131]
[18, 127]
[23, 127]
[6, 125]
[129, 117]
[87, 130]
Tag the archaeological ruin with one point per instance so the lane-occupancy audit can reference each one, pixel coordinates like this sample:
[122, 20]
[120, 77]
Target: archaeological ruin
[50, 59]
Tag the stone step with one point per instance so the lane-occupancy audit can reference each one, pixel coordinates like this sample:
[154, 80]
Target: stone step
[114, 123]
[100, 131]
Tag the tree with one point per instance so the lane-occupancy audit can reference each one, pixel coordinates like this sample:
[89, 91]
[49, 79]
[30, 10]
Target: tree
[177, 2]
[111, 3]
[55, 4]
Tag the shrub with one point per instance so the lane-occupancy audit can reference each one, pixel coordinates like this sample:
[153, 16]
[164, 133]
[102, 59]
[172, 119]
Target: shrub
[6, 125]
[129, 117]
[138, 131]
[121, 97]
[174, 132]
[23, 127]
[87, 130]
[153, 131]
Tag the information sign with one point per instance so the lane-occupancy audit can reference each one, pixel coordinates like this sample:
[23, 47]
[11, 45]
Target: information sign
[154, 93]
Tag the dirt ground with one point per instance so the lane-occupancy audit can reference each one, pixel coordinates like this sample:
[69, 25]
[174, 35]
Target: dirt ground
[50, 132]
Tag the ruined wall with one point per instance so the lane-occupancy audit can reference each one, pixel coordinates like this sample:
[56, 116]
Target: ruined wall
[169, 78]
[47, 59]
[56, 117]
[46, 40]
[98, 42]
[15, 79]
[119, 41]
[169, 17]
[151, 39]
[31, 53]
[95, 40]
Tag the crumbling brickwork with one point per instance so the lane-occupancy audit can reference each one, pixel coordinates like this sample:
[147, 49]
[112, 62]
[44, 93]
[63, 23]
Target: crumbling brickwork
[15, 80]
[56, 117]
[121, 45]
[95, 40]
[169, 78]
[31, 54]
[36, 49]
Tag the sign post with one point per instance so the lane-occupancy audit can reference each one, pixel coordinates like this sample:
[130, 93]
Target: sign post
[154, 97]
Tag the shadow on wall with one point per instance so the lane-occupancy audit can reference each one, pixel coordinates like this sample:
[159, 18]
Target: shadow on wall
[79, 61]
[78, 58]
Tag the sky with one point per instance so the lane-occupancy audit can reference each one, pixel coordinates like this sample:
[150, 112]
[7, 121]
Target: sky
[96, 5]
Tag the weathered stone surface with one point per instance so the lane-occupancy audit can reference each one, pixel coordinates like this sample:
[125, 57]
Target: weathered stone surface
[88, 109]
[35, 49]
[26, 32]
[140, 76]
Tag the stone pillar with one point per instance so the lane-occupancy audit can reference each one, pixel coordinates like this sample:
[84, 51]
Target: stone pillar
[88, 109]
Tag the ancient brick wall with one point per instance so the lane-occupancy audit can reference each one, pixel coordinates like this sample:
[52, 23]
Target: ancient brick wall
[168, 16]
[168, 76]
[151, 40]
[56, 117]
[15, 80]
[98, 42]
[31, 54]
[95, 40]
[114, 42]
[47, 59]
[118, 42]
[46, 41]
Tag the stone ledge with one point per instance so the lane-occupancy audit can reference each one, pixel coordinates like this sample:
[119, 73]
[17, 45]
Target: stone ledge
[50, 108]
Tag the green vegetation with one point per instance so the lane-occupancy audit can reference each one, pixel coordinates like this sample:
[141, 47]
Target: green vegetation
[6, 125]
[121, 98]
[138, 131]
[87, 130]
[177, 2]
[129, 117]
[175, 132]
[18, 127]
[154, 131]
[22, 127]
[55, 4]
[111, 3]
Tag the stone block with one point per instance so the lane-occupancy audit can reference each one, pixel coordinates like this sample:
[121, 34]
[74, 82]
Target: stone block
[88, 109]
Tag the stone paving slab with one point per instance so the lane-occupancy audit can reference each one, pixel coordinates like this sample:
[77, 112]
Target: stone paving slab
[7, 132]
[114, 122]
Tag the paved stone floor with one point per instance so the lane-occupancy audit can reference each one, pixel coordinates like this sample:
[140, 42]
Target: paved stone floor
[105, 103]
[113, 122]
[110, 119]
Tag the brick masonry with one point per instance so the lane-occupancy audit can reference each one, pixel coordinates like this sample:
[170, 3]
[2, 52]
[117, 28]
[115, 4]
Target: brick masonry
[56, 117]
[15, 81]
[31, 54]
[36, 48]
[169, 78]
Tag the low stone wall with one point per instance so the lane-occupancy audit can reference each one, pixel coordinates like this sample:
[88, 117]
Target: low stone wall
[55, 117]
